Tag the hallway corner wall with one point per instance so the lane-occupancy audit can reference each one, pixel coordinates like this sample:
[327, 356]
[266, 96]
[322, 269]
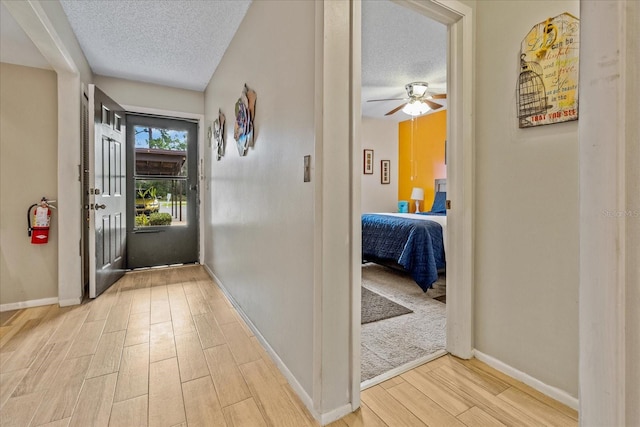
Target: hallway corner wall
[28, 171]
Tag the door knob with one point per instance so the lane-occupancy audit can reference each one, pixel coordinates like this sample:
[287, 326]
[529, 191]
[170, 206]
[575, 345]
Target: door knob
[102, 206]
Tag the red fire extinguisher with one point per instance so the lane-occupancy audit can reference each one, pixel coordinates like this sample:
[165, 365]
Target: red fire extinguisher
[39, 228]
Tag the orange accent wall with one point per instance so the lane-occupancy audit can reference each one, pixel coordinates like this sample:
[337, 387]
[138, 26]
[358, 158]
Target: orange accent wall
[427, 151]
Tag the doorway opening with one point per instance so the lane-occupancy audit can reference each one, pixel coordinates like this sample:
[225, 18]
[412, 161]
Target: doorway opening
[403, 231]
[459, 167]
[140, 191]
[162, 188]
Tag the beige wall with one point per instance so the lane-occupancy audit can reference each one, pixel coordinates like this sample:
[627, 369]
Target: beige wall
[51, 33]
[28, 171]
[259, 214]
[139, 94]
[526, 265]
[382, 137]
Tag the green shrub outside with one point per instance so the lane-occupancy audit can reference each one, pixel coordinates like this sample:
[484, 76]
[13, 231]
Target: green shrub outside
[142, 220]
[158, 218]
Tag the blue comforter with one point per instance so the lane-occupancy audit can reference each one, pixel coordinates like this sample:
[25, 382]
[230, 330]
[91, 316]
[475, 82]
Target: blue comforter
[414, 244]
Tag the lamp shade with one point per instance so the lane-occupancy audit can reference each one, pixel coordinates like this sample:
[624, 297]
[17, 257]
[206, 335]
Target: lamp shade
[415, 108]
[417, 193]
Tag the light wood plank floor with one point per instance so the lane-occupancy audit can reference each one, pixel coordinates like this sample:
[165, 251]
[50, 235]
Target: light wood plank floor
[166, 348]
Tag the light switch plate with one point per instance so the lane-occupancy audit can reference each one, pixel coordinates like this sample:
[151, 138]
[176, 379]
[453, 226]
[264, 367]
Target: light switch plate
[307, 168]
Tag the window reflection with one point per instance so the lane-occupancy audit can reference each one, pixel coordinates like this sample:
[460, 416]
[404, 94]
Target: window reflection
[160, 176]
[160, 152]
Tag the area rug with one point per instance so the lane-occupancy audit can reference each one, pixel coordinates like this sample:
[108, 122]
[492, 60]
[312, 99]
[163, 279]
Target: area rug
[399, 340]
[376, 307]
[441, 298]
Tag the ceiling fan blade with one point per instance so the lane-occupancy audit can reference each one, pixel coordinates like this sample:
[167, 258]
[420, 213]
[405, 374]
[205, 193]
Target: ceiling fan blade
[387, 99]
[439, 96]
[432, 105]
[395, 110]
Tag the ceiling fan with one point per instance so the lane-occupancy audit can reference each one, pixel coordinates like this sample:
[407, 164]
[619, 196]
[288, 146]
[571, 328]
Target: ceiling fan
[419, 101]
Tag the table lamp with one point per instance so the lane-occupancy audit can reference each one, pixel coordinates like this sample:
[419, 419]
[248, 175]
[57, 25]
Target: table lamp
[417, 194]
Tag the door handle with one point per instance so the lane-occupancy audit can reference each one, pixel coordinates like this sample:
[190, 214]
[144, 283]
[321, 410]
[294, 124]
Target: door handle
[102, 206]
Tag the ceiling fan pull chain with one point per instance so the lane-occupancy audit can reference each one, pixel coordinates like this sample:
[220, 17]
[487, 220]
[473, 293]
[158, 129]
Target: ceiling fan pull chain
[412, 162]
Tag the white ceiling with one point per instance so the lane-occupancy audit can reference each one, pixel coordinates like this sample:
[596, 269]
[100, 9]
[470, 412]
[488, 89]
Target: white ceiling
[179, 43]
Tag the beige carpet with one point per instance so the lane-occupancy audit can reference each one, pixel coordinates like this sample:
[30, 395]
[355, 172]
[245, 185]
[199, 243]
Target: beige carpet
[393, 342]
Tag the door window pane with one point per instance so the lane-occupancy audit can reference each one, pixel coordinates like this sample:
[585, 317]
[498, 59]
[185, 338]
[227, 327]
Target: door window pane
[160, 151]
[160, 202]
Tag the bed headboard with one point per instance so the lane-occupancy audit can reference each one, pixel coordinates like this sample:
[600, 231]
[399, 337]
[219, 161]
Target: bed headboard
[441, 184]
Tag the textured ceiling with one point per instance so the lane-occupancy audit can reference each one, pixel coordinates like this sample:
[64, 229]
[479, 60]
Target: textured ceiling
[399, 46]
[179, 43]
[168, 42]
[15, 46]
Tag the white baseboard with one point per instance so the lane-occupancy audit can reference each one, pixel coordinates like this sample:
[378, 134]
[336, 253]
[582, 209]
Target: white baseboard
[293, 382]
[553, 392]
[28, 304]
[70, 301]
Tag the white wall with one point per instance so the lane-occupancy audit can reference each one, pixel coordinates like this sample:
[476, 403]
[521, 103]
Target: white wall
[382, 137]
[526, 264]
[259, 214]
[28, 171]
[139, 94]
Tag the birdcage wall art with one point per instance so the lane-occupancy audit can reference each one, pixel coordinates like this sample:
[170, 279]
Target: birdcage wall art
[531, 93]
[547, 90]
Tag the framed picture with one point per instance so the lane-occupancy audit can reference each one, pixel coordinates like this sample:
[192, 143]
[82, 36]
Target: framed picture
[368, 162]
[385, 174]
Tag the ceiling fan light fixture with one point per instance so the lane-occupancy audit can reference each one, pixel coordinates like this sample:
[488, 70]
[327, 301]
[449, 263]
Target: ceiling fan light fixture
[415, 108]
[416, 89]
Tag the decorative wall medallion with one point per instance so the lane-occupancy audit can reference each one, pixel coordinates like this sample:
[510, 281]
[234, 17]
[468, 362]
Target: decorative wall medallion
[245, 114]
[218, 134]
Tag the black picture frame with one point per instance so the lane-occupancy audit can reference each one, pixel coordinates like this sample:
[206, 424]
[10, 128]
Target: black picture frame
[385, 171]
[367, 162]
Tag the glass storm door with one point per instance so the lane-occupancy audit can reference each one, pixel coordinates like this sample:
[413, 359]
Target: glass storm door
[162, 204]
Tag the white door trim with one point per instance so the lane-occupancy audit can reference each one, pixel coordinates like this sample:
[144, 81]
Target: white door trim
[609, 153]
[356, 200]
[460, 168]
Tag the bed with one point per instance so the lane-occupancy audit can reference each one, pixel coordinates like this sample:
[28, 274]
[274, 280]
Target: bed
[414, 242]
